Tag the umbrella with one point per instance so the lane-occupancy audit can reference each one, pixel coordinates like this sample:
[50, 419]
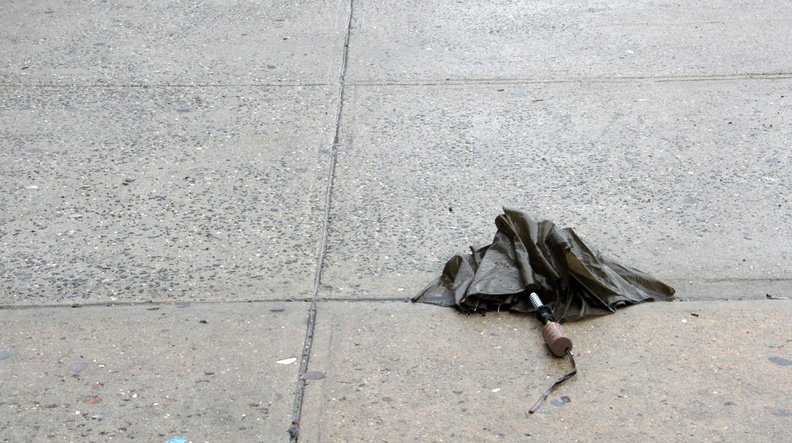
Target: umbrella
[533, 266]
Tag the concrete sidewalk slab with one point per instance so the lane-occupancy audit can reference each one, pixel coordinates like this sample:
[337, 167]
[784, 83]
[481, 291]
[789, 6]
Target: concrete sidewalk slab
[171, 43]
[470, 40]
[205, 372]
[137, 194]
[688, 181]
[664, 371]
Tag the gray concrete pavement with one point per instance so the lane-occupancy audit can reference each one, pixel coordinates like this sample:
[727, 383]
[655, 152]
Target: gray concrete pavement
[693, 371]
[149, 372]
[483, 41]
[638, 168]
[130, 194]
[385, 371]
[206, 155]
[174, 43]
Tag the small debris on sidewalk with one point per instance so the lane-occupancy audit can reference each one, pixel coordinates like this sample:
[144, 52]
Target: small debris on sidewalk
[294, 430]
[314, 375]
[780, 361]
[774, 297]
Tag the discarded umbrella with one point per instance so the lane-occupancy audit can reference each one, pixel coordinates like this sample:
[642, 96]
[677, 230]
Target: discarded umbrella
[533, 266]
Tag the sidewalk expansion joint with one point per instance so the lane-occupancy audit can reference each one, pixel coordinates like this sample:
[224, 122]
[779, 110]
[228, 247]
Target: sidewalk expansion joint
[679, 298]
[300, 391]
[574, 80]
[109, 85]
[294, 430]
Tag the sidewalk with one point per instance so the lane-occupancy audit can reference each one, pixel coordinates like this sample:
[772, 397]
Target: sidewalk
[211, 216]
[389, 371]
[669, 371]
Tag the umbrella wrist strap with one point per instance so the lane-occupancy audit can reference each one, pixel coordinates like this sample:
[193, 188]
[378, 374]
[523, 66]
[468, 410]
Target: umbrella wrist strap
[556, 384]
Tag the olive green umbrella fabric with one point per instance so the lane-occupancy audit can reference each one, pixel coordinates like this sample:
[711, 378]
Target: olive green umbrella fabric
[529, 255]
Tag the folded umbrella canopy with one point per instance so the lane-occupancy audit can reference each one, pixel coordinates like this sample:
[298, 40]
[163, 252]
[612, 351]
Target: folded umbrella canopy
[533, 266]
[529, 255]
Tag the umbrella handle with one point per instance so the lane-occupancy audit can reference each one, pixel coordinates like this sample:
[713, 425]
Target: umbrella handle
[552, 331]
[556, 338]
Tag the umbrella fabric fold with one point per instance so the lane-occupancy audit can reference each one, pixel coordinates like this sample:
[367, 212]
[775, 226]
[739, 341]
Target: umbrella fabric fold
[529, 255]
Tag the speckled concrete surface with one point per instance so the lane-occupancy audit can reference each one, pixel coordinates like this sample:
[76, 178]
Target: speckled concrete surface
[470, 40]
[639, 169]
[149, 372]
[220, 151]
[145, 194]
[175, 42]
[697, 371]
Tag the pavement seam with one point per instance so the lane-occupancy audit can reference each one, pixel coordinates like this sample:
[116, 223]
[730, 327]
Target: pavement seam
[758, 296]
[575, 80]
[677, 299]
[162, 86]
[427, 82]
[294, 430]
[206, 302]
[299, 393]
